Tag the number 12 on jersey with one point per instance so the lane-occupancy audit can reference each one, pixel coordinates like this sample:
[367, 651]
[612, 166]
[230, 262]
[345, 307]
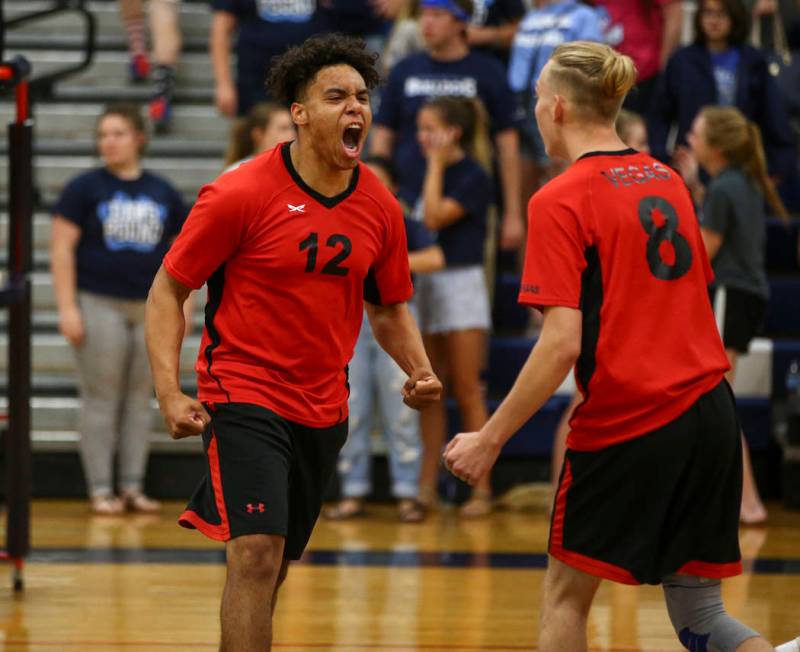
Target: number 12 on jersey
[333, 267]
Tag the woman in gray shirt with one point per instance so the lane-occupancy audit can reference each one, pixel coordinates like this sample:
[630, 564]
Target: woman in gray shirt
[733, 224]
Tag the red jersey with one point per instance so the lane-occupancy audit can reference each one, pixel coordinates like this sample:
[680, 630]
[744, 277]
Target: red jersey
[616, 236]
[288, 271]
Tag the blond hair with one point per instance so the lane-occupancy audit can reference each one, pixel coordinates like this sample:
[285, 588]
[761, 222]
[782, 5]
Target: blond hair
[595, 77]
[739, 140]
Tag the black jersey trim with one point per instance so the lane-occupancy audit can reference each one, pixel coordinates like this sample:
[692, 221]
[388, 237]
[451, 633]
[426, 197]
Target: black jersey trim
[372, 292]
[327, 202]
[620, 152]
[591, 304]
[216, 285]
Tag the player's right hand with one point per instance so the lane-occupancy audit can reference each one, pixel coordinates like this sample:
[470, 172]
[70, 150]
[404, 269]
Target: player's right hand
[184, 415]
[70, 324]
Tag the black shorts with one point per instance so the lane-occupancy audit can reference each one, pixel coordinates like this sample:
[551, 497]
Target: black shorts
[265, 475]
[666, 502]
[740, 316]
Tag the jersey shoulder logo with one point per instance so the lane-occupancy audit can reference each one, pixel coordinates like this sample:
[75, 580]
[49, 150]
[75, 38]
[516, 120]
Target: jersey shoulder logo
[300, 208]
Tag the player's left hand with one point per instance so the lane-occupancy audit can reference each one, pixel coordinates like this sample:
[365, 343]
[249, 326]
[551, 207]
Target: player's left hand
[422, 389]
[469, 456]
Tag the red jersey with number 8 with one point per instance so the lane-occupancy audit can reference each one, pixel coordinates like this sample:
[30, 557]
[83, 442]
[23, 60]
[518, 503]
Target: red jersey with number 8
[288, 271]
[616, 236]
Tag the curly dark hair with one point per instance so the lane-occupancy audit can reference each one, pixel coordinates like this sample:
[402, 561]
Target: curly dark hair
[292, 72]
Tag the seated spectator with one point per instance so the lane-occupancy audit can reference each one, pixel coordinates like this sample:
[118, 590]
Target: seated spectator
[648, 31]
[111, 228]
[733, 226]
[264, 28]
[266, 125]
[375, 382]
[166, 35]
[720, 69]
[545, 27]
[448, 67]
[454, 303]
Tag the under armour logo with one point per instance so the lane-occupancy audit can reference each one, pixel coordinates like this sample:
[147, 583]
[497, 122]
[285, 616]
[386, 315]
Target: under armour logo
[301, 208]
[255, 508]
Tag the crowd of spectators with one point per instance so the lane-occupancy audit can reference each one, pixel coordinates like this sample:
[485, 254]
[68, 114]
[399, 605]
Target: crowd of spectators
[455, 135]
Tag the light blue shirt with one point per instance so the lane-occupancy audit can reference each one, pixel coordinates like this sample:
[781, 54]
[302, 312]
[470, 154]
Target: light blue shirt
[542, 31]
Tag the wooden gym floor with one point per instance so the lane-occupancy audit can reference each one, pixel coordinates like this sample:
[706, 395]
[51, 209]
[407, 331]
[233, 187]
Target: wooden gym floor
[372, 585]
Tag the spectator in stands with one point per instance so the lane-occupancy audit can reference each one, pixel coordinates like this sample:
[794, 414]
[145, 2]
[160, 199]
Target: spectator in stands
[404, 38]
[448, 67]
[733, 225]
[454, 303]
[719, 68]
[166, 35]
[493, 25]
[549, 24]
[265, 125]
[264, 29]
[648, 31]
[632, 130]
[111, 227]
[375, 381]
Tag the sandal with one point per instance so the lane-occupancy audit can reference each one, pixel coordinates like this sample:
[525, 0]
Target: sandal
[136, 501]
[106, 505]
[410, 510]
[480, 504]
[345, 509]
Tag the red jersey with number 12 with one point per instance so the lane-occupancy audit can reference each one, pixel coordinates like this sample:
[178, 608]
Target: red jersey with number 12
[616, 236]
[288, 271]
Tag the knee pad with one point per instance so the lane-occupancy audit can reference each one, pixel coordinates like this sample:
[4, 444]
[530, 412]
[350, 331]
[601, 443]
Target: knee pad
[698, 615]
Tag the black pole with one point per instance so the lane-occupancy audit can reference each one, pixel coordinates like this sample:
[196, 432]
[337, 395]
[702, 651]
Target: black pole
[18, 451]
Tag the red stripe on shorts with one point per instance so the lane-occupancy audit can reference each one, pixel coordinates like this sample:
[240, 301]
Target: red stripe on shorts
[190, 519]
[711, 570]
[575, 560]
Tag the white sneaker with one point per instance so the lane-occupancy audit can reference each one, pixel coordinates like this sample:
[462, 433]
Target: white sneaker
[791, 646]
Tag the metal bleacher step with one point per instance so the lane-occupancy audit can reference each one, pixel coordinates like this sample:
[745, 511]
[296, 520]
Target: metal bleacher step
[188, 175]
[52, 354]
[195, 18]
[67, 121]
[161, 147]
[109, 70]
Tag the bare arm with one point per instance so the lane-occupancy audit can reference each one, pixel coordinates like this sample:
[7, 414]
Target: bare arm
[671, 36]
[64, 238]
[164, 326]
[396, 331]
[429, 259]
[222, 26]
[382, 141]
[512, 226]
[712, 240]
[471, 455]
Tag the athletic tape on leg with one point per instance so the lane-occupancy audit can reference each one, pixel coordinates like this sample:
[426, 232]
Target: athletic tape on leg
[698, 615]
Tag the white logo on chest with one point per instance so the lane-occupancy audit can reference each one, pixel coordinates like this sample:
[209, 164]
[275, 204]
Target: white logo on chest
[301, 208]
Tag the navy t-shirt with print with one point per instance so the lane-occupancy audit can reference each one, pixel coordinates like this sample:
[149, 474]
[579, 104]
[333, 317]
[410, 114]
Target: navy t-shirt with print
[419, 77]
[462, 242]
[269, 27]
[126, 229]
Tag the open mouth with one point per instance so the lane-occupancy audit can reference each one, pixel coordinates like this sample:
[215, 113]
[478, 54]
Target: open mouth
[351, 139]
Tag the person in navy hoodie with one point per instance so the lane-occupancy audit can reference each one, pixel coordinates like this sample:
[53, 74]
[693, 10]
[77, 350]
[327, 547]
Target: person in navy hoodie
[719, 68]
[449, 68]
[111, 228]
